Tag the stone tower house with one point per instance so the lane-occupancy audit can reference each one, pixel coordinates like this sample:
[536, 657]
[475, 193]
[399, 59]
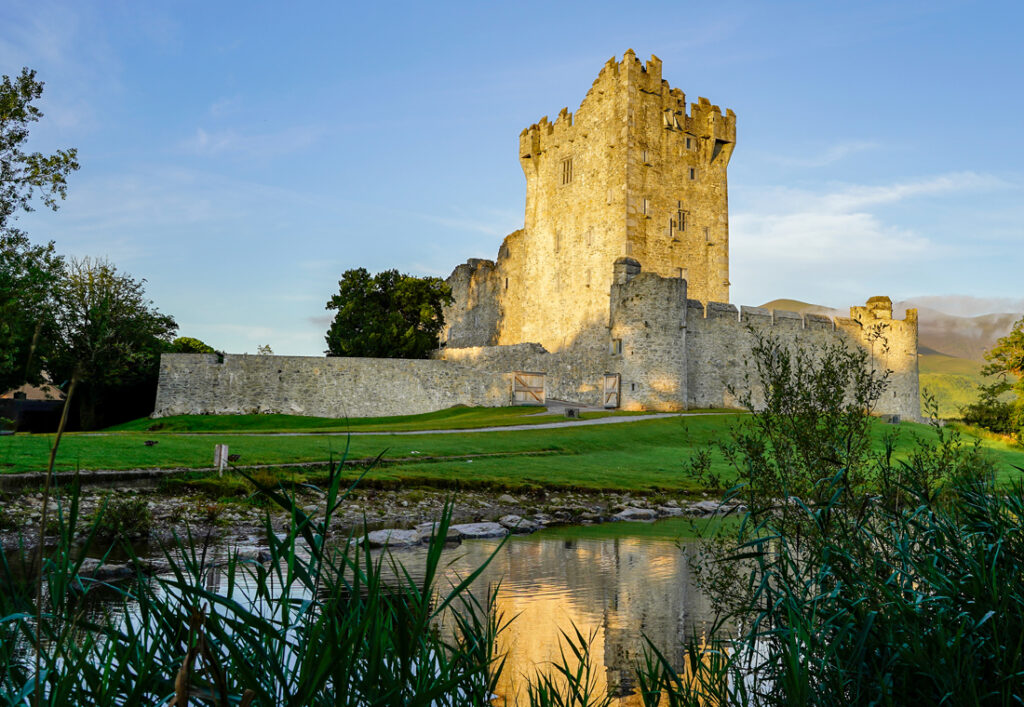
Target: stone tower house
[633, 174]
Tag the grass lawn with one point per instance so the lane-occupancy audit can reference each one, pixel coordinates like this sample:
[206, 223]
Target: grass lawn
[647, 455]
[454, 418]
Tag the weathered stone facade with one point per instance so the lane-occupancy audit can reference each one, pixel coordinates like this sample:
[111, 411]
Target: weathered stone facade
[631, 173]
[620, 274]
[208, 384]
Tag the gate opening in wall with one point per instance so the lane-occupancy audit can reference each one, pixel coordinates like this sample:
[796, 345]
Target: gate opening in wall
[612, 382]
[528, 388]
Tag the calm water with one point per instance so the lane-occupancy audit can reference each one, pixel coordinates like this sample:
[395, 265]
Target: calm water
[615, 582]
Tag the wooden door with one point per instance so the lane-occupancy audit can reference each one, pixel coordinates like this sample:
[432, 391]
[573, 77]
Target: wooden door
[528, 388]
[611, 390]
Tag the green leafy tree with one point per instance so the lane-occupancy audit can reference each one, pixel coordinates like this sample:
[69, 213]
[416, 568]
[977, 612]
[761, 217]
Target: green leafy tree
[190, 345]
[28, 277]
[1006, 365]
[387, 315]
[28, 273]
[108, 334]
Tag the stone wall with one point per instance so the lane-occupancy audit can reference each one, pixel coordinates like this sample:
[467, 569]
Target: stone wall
[197, 384]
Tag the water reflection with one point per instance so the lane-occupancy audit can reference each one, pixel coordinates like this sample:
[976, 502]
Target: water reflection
[615, 584]
[615, 589]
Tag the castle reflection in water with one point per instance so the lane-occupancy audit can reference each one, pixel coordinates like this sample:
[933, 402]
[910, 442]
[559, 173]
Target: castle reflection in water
[614, 589]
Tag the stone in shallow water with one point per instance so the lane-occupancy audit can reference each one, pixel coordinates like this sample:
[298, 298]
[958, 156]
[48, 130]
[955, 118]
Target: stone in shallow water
[518, 524]
[670, 511]
[427, 531]
[481, 530]
[635, 514]
[393, 537]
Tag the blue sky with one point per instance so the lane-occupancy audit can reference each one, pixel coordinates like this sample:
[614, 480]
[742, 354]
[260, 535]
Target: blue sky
[241, 156]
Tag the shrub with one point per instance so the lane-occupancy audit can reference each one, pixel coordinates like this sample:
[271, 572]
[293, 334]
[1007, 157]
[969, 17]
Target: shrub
[125, 518]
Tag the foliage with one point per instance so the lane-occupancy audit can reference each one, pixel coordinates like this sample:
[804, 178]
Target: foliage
[387, 315]
[814, 420]
[321, 623]
[189, 345]
[882, 581]
[264, 350]
[27, 175]
[124, 518]
[110, 336]
[28, 273]
[1006, 362]
[991, 411]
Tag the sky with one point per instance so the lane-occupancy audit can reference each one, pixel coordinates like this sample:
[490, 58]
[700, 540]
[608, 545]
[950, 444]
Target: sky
[240, 156]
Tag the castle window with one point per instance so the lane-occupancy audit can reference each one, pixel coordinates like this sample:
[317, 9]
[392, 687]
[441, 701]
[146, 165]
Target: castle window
[693, 172]
[644, 157]
[567, 170]
[707, 234]
[616, 347]
[680, 217]
[645, 208]
[506, 283]
[688, 144]
[679, 274]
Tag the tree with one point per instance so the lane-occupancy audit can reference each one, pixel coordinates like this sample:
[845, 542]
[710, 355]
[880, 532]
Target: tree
[110, 336]
[189, 345]
[387, 315]
[28, 277]
[28, 273]
[1006, 363]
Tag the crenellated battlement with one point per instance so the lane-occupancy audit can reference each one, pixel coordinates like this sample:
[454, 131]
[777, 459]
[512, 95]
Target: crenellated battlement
[624, 82]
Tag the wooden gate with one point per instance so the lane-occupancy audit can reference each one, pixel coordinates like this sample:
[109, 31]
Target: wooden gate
[528, 388]
[611, 390]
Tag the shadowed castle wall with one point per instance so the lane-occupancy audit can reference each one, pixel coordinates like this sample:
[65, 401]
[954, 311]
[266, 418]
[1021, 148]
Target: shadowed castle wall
[197, 384]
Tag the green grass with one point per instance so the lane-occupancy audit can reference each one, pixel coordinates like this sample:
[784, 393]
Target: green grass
[644, 456]
[953, 381]
[454, 418]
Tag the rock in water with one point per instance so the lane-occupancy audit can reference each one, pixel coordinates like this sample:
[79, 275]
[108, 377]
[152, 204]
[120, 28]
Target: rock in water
[481, 530]
[393, 537]
[635, 514]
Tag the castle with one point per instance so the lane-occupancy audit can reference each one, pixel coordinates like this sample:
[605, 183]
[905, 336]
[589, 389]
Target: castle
[614, 293]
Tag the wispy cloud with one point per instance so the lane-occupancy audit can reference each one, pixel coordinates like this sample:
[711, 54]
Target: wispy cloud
[783, 234]
[968, 305]
[488, 223]
[219, 142]
[828, 156]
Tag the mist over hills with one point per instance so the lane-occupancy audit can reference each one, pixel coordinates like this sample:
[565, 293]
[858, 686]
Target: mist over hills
[968, 335]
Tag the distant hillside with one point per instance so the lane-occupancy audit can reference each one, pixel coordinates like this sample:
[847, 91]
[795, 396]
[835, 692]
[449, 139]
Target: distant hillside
[940, 333]
[952, 347]
[962, 337]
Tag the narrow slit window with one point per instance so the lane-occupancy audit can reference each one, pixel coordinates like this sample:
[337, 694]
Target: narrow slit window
[643, 157]
[688, 143]
[707, 234]
[693, 173]
[567, 170]
[646, 207]
[616, 347]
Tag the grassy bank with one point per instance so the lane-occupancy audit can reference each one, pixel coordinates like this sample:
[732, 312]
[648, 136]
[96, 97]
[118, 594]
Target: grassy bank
[648, 455]
[454, 418]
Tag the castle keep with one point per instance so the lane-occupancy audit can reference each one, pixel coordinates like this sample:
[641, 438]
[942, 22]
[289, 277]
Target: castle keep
[632, 174]
[614, 293]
